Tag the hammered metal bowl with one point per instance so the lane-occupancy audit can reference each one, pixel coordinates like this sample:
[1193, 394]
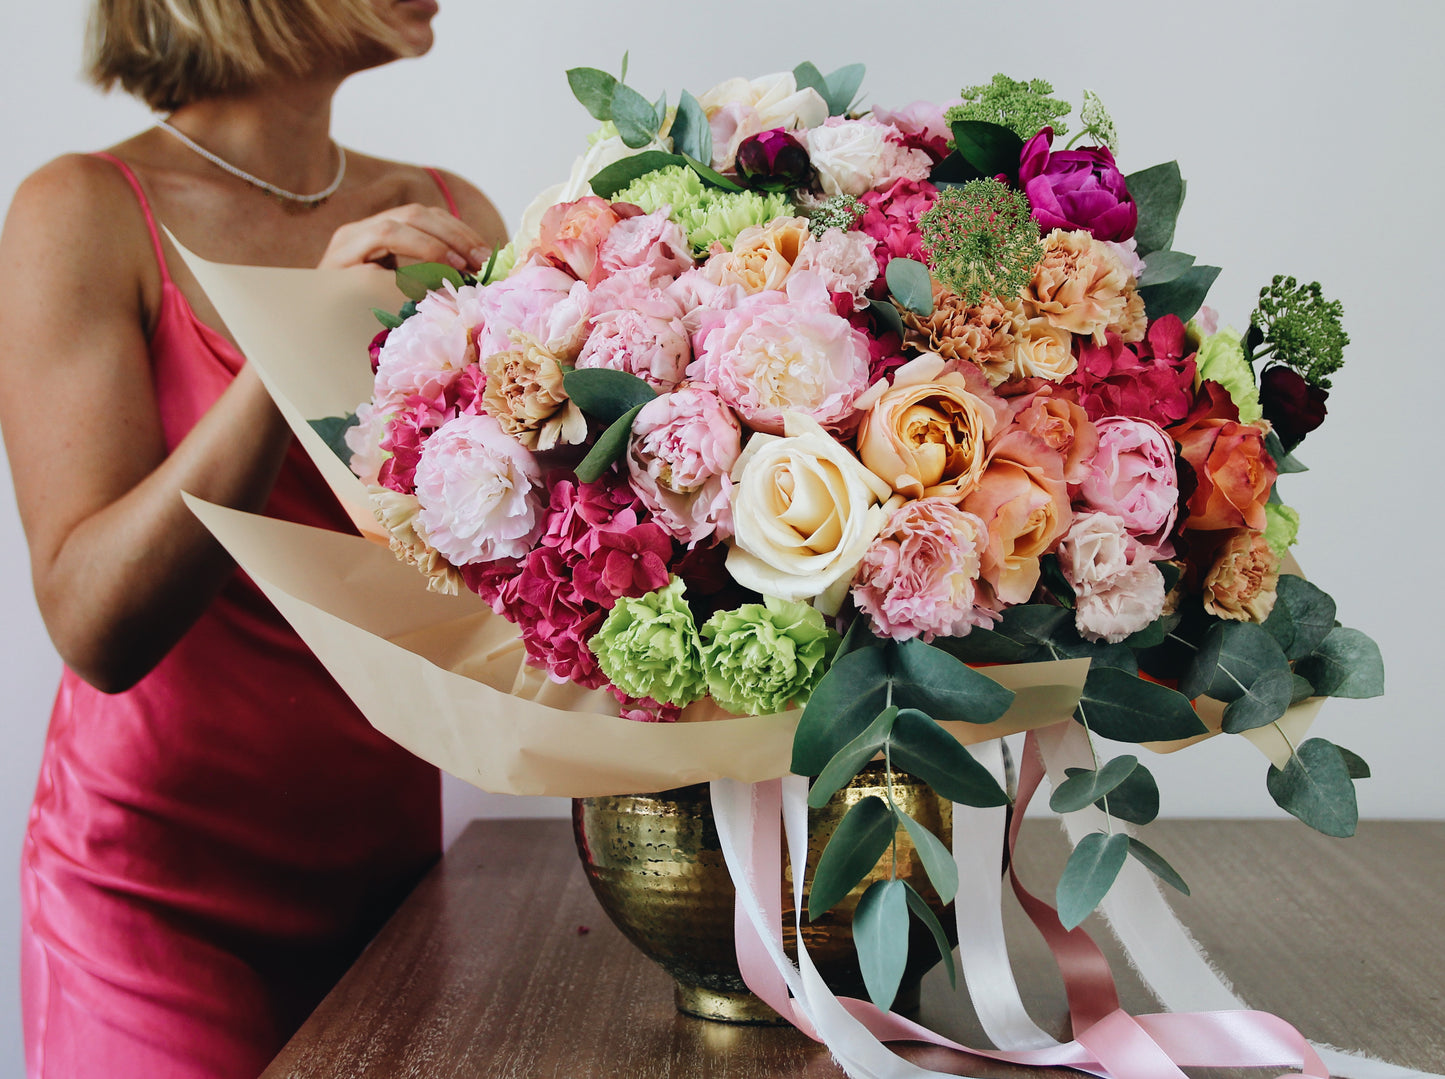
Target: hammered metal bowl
[657, 869]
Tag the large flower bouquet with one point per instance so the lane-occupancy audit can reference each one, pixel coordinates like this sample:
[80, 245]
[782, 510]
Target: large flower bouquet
[782, 403]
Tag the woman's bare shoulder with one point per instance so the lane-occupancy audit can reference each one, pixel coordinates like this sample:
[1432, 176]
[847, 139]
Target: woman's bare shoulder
[472, 205]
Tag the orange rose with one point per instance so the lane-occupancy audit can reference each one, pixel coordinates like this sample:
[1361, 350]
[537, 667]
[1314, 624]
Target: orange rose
[1233, 471]
[571, 234]
[1023, 499]
[927, 434]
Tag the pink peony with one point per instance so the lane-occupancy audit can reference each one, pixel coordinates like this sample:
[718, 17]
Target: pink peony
[476, 486]
[892, 220]
[424, 355]
[539, 300]
[845, 263]
[653, 349]
[363, 439]
[684, 444]
[1132, 476]
[651, 241]
[783, 352]
[919, 577]
[699, 298]
[1076, 189]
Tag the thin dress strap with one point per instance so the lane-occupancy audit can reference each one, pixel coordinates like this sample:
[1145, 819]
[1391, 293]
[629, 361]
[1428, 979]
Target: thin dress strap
[445, 190]
[145, 208]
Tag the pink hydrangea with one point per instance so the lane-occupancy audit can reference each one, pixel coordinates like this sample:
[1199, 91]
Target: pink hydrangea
[425, 354]
[477, 487]
[1132, 476]
[652, 242]
[892, 220]
[684, 444]
[781, 352]
[920, 576]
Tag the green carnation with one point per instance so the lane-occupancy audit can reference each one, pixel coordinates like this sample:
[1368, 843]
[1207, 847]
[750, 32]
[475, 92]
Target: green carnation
[649, 647]
[706, 214]
[764, 656]
[1221, 359]
[1281, 527]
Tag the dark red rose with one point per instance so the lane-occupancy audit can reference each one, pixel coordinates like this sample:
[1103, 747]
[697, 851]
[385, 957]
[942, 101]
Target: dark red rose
[1290, 403]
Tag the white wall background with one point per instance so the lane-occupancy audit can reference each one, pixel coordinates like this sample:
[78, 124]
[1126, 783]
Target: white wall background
[1306, 131]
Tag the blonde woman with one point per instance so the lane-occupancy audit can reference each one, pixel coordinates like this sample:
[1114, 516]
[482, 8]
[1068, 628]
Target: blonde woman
[216, 832]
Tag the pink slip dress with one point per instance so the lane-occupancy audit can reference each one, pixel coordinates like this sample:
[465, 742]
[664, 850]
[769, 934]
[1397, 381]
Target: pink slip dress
[208, 851]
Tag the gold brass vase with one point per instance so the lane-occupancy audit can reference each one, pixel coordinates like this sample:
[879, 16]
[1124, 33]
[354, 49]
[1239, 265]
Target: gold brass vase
[656, 867]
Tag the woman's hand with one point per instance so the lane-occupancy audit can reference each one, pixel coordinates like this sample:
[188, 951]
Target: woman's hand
[412, 233]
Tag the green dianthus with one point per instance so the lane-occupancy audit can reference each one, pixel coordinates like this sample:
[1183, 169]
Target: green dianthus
[705, 214]
[763, 657]
[649, 647]
[981, 239]
[1023, 107]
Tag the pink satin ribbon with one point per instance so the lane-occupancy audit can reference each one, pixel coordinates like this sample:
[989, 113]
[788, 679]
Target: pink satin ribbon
[1108, 1041]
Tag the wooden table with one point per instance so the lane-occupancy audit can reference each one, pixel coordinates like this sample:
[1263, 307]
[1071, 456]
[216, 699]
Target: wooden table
[501, 964]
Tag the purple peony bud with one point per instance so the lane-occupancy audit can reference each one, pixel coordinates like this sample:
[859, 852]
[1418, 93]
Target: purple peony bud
[1076, 189]
[773, 161]
[1290, 403]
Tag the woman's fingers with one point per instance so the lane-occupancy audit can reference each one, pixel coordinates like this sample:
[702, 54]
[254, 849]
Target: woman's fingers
[412, 233]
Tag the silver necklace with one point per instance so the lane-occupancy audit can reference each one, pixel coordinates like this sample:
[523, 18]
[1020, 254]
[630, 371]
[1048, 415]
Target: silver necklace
[309, 201]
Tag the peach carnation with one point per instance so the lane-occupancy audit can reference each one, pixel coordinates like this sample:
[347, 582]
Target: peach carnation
[1241, 585]
[1084, 287]
[524, 395]
[984, 334]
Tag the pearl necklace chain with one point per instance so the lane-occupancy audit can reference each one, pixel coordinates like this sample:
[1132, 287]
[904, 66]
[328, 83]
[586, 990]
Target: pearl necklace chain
[308, 201]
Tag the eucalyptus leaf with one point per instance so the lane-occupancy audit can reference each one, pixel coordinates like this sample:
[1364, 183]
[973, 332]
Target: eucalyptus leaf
[1345, 664]
[710, 175]
[636, 119]
[990, 148]
[1067, 644]
[846, 700]
[924, 913]
[1162, 266]
[1315, 786]
[416, 280]
[1183, 296]
[612, 179]
[594, 89]
[333, 430]
[622, 75]
[887, 315]
[1158, 193]
[691, 133]
[807, 75]
[880, 933]
[605, 394]
[922, 747]
[860, 839]
[1088, 875]
[851, 759]
[386, 318]
[842, 86]
[1126, 708]
[930, 679]
[1354, 764]
[1311, 614]
[860, 635]
[937, 859]
[1135, 800]
[910, 285]
[1154, 634]
[1264, 700]
[1084, 787]
[609, 447]
[1302, 689]
[1284, 462]
[1230, 657]
[1153, 861]
[986, 646]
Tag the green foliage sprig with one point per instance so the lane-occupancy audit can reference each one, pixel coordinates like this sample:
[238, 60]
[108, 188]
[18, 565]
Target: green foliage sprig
[1023, 107]
[980, 239]
[1295, 325]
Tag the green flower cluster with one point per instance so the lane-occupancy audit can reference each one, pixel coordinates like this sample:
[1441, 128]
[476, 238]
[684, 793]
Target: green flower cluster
[980, 239]
[1023, 107]
[765, 656]
[835, 212]
[705, 214]
[1221, 359]
[1294, 324]
[649, 647]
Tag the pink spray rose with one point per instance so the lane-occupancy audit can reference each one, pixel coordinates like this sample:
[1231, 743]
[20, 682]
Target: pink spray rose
[476, 486]
[1132, 476]
[1076, 189]
[919, 576]
[684, 444]
[781, 352]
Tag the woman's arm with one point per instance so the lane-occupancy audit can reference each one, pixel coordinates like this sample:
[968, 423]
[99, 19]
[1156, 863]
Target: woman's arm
[121, 568]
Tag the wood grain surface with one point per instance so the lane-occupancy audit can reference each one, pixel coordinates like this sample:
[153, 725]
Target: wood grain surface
[501, 964]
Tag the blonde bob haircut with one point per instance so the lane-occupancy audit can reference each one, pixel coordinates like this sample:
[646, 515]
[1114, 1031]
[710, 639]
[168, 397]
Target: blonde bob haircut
[170, 53]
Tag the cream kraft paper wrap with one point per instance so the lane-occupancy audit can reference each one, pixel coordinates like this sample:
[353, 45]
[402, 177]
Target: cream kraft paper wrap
[442, 675]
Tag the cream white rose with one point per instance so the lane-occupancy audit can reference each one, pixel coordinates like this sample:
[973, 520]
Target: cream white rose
[737, 109]
[804, 512]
